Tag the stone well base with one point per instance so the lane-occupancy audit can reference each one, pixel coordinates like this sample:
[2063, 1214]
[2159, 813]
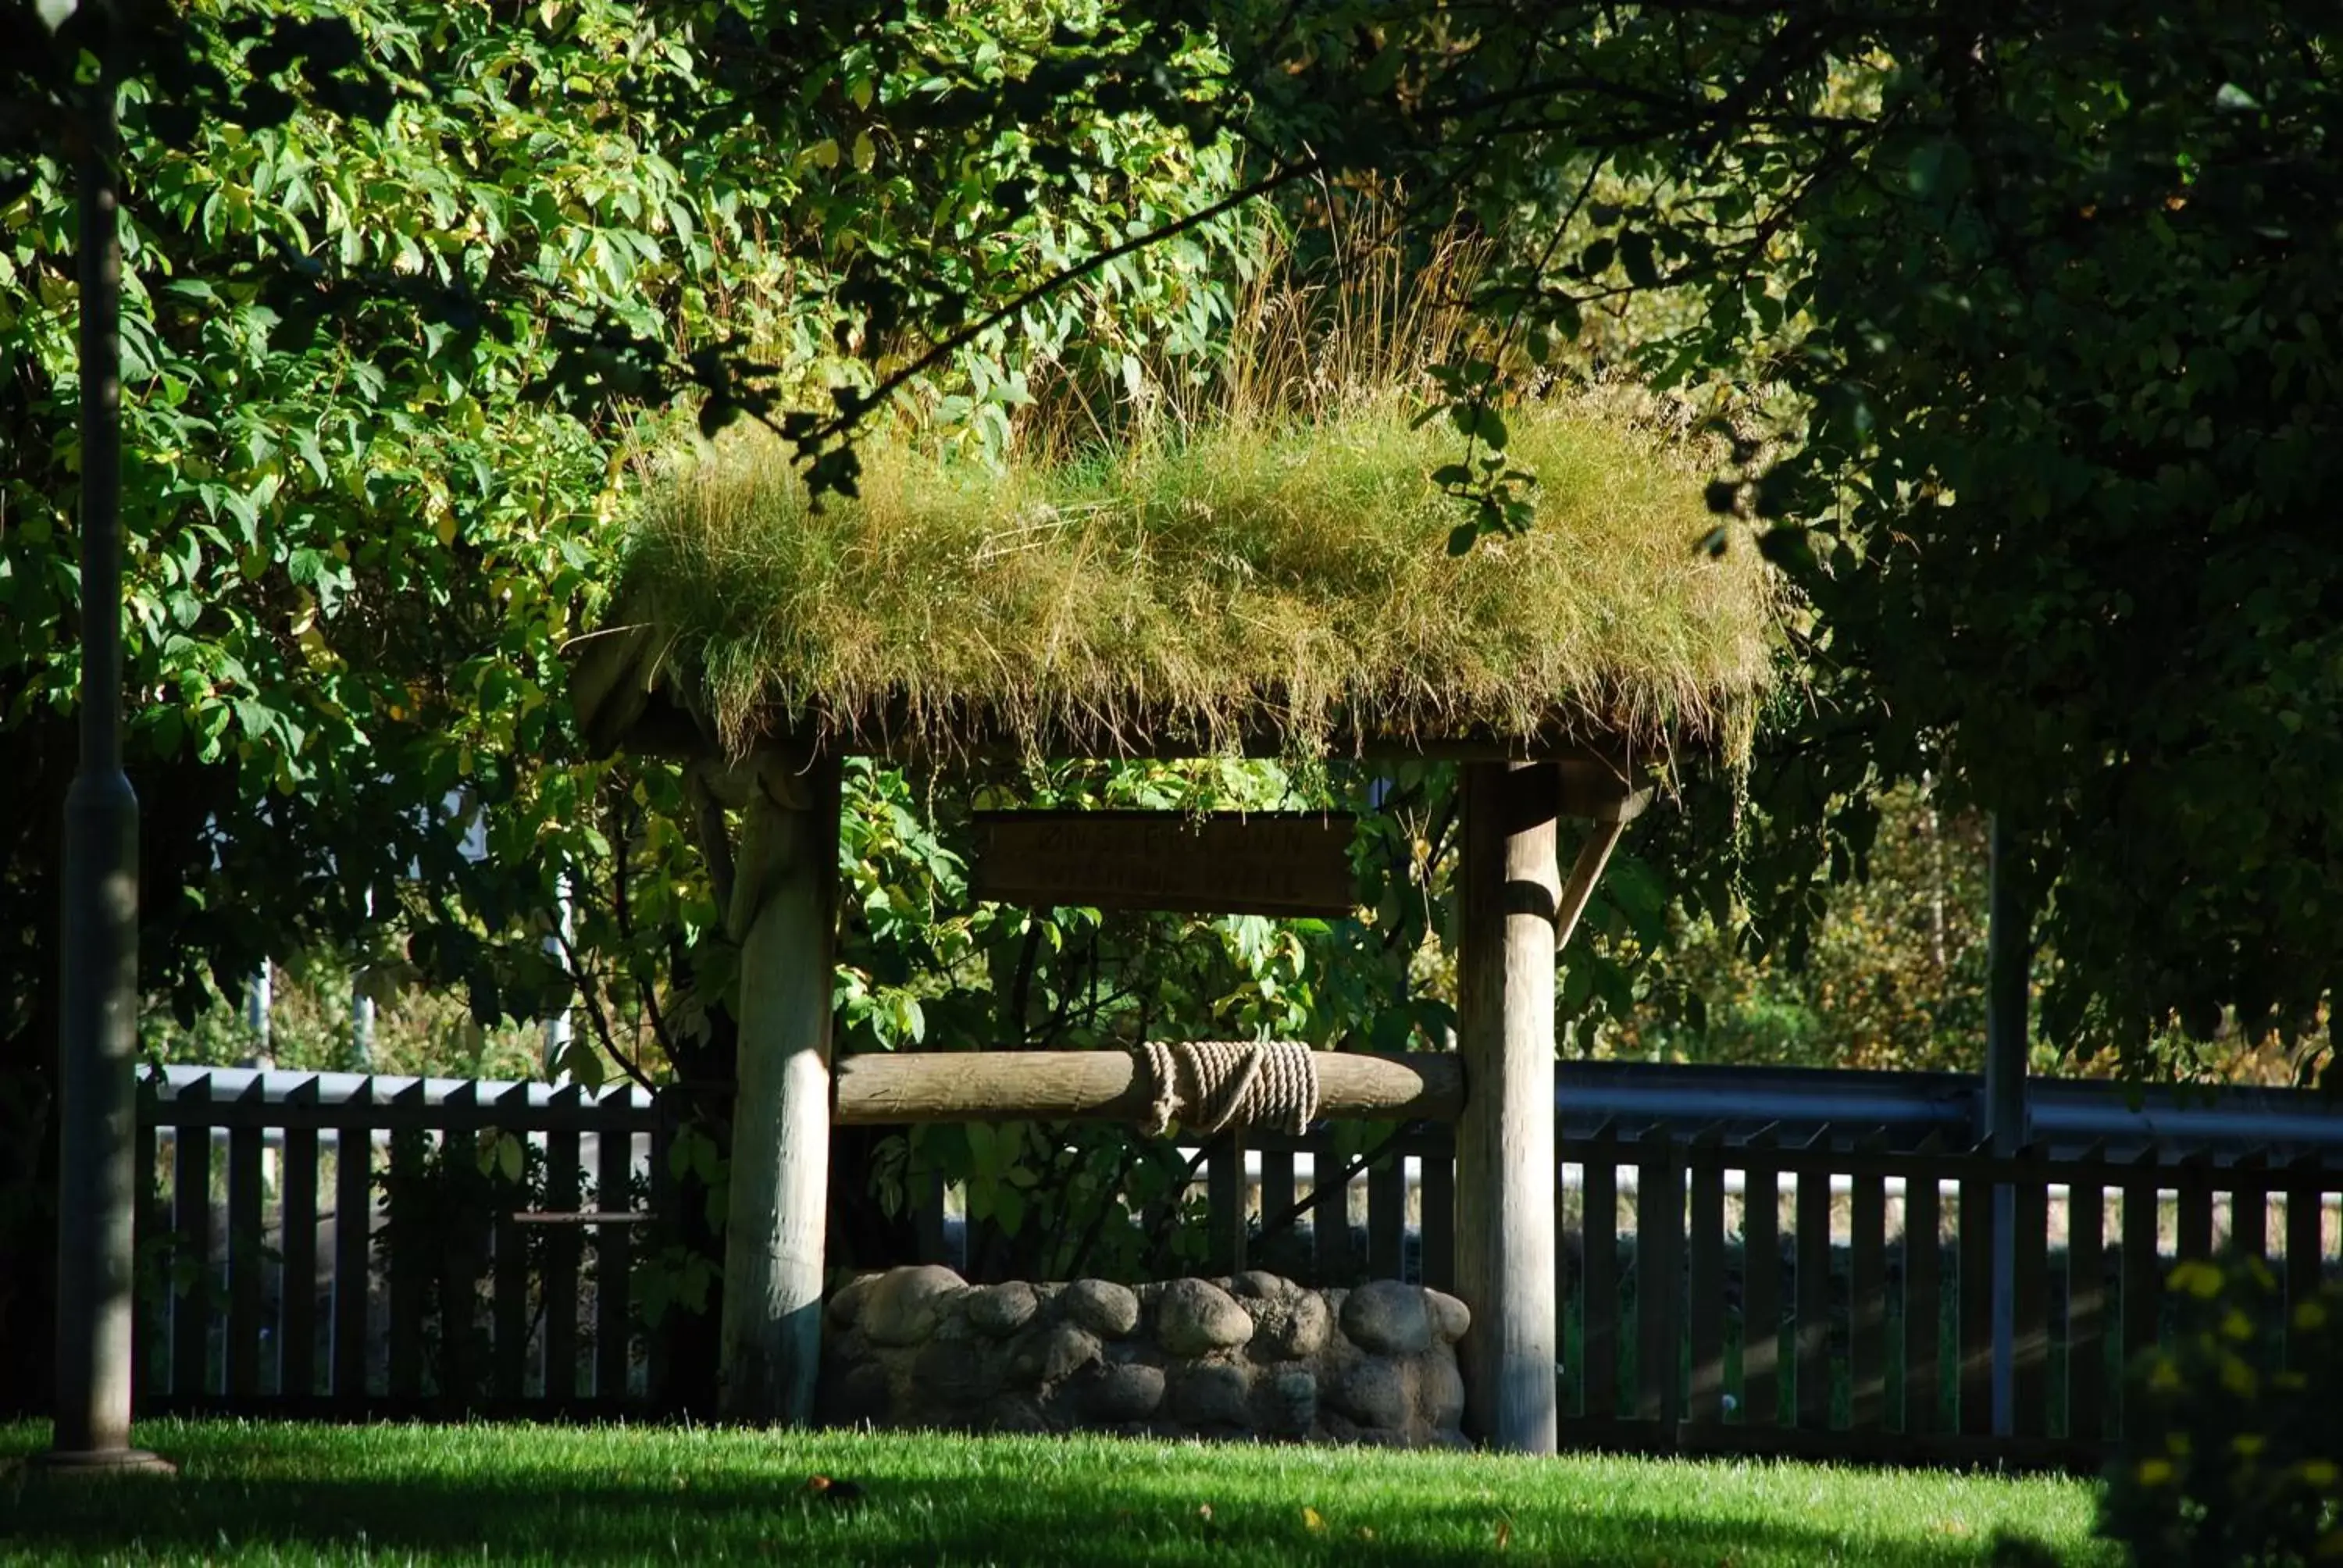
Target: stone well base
[1254, 1357]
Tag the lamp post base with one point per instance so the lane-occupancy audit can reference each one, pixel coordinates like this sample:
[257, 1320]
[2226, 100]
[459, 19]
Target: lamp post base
[97, 1461]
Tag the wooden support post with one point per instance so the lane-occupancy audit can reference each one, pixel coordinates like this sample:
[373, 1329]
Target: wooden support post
[784, 912]
[1515, 913]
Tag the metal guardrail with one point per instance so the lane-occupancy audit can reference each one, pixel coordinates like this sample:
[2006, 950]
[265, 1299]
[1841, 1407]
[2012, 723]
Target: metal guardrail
[2069, 1113]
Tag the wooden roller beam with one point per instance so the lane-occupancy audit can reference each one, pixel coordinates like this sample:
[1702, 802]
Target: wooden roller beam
[880, 1088]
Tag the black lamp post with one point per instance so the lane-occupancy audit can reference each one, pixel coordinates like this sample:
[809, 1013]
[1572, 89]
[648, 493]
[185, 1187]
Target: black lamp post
[98, 1046]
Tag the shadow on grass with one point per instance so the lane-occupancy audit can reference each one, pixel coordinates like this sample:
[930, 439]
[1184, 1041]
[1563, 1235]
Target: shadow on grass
[221, 1513]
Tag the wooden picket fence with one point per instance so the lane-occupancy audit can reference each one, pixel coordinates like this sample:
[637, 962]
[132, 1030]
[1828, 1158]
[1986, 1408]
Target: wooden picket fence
[1872, 1266]
[230, 1326]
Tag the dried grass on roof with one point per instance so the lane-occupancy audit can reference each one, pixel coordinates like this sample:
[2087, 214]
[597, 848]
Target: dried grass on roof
[1254, 579]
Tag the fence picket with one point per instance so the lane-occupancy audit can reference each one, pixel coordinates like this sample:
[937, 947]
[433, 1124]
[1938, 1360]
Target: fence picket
[297, 1331]
[561, 1249]
[2249, 1204]
[1330, 1213]
[1224, 1193]
[2087, 1298]
[2030, 1287]
[245, 1244]
[1976, 1296]
[1437, 1192]
[1659, 1269]
[353, 1242]
[508, 1286]
[459, 1261]
[1924, 1323]
[1761, 1265]
[148, 1222]
[662, 1228]
[614, 1168]
[191, 1223]
[1276, 1194]
[2143, 1274]
[1706, 1264]
[1867, 1295]
[408, 1286]
[1387, 1216]
[1812, 1252]
[1599, 1312]
[2195, 1239]
[2305, 1252]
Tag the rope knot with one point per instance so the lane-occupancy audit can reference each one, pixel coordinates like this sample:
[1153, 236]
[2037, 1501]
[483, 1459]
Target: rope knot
[1208, 1086]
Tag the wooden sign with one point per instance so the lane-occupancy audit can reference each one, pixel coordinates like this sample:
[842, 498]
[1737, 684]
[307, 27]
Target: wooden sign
[1284, 863]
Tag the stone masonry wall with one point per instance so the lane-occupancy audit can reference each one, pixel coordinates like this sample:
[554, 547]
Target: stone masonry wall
[1254, 1357]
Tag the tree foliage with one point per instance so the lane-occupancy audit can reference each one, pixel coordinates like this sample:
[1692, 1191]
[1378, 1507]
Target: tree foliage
[2045, 294]
[410, 291]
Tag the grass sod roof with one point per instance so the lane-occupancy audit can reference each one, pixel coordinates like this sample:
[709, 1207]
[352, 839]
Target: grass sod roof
[1283, 589]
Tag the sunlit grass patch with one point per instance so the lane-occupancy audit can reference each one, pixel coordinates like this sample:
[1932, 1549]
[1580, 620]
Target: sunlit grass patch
[252, 1493]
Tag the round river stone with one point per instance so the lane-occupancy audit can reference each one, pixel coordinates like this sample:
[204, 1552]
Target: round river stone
[1128, 1392]
[1001, 1309]
[904, 1306]
[1212, 1393]
[1196, 1317]
[1101, 1306]
[1450, 1317]
[1387, 1317]
[1375, 1393]
[1054, 1353]
[1308, 1323]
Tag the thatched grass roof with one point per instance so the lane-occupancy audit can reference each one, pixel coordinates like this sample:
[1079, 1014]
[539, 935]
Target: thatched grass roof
[1284, 589]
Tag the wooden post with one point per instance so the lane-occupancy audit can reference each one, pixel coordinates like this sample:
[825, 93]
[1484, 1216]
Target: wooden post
[1515, 912]
[784, 912]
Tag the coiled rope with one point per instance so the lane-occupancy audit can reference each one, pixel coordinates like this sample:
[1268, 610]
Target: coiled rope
[1207, 1086]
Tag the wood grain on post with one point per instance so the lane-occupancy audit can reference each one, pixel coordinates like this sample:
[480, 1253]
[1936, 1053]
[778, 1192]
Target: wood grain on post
[1509, 888]
[784, 911]
[881, 1087]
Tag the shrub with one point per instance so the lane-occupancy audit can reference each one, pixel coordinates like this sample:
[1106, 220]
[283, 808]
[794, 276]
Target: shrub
[2233, 1451]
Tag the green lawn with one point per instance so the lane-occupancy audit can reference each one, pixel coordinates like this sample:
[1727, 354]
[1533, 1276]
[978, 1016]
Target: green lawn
[268, 1493]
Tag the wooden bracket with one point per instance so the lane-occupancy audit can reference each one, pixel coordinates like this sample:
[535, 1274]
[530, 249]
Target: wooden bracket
[1592, 788]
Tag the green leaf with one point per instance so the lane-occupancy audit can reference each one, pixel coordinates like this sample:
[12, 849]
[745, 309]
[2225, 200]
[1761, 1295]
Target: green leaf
[1635, 254]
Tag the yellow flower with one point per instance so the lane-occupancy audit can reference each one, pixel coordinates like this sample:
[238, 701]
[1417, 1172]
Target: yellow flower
[2238, 1378]
[2155, 1472]
[2237, 1326]
[2164, 1376]
[2310, 1316]
[2247, 1444]
[2320, 1472]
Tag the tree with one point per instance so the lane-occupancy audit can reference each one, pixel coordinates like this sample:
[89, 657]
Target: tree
[400, 288]
[2039, 294]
